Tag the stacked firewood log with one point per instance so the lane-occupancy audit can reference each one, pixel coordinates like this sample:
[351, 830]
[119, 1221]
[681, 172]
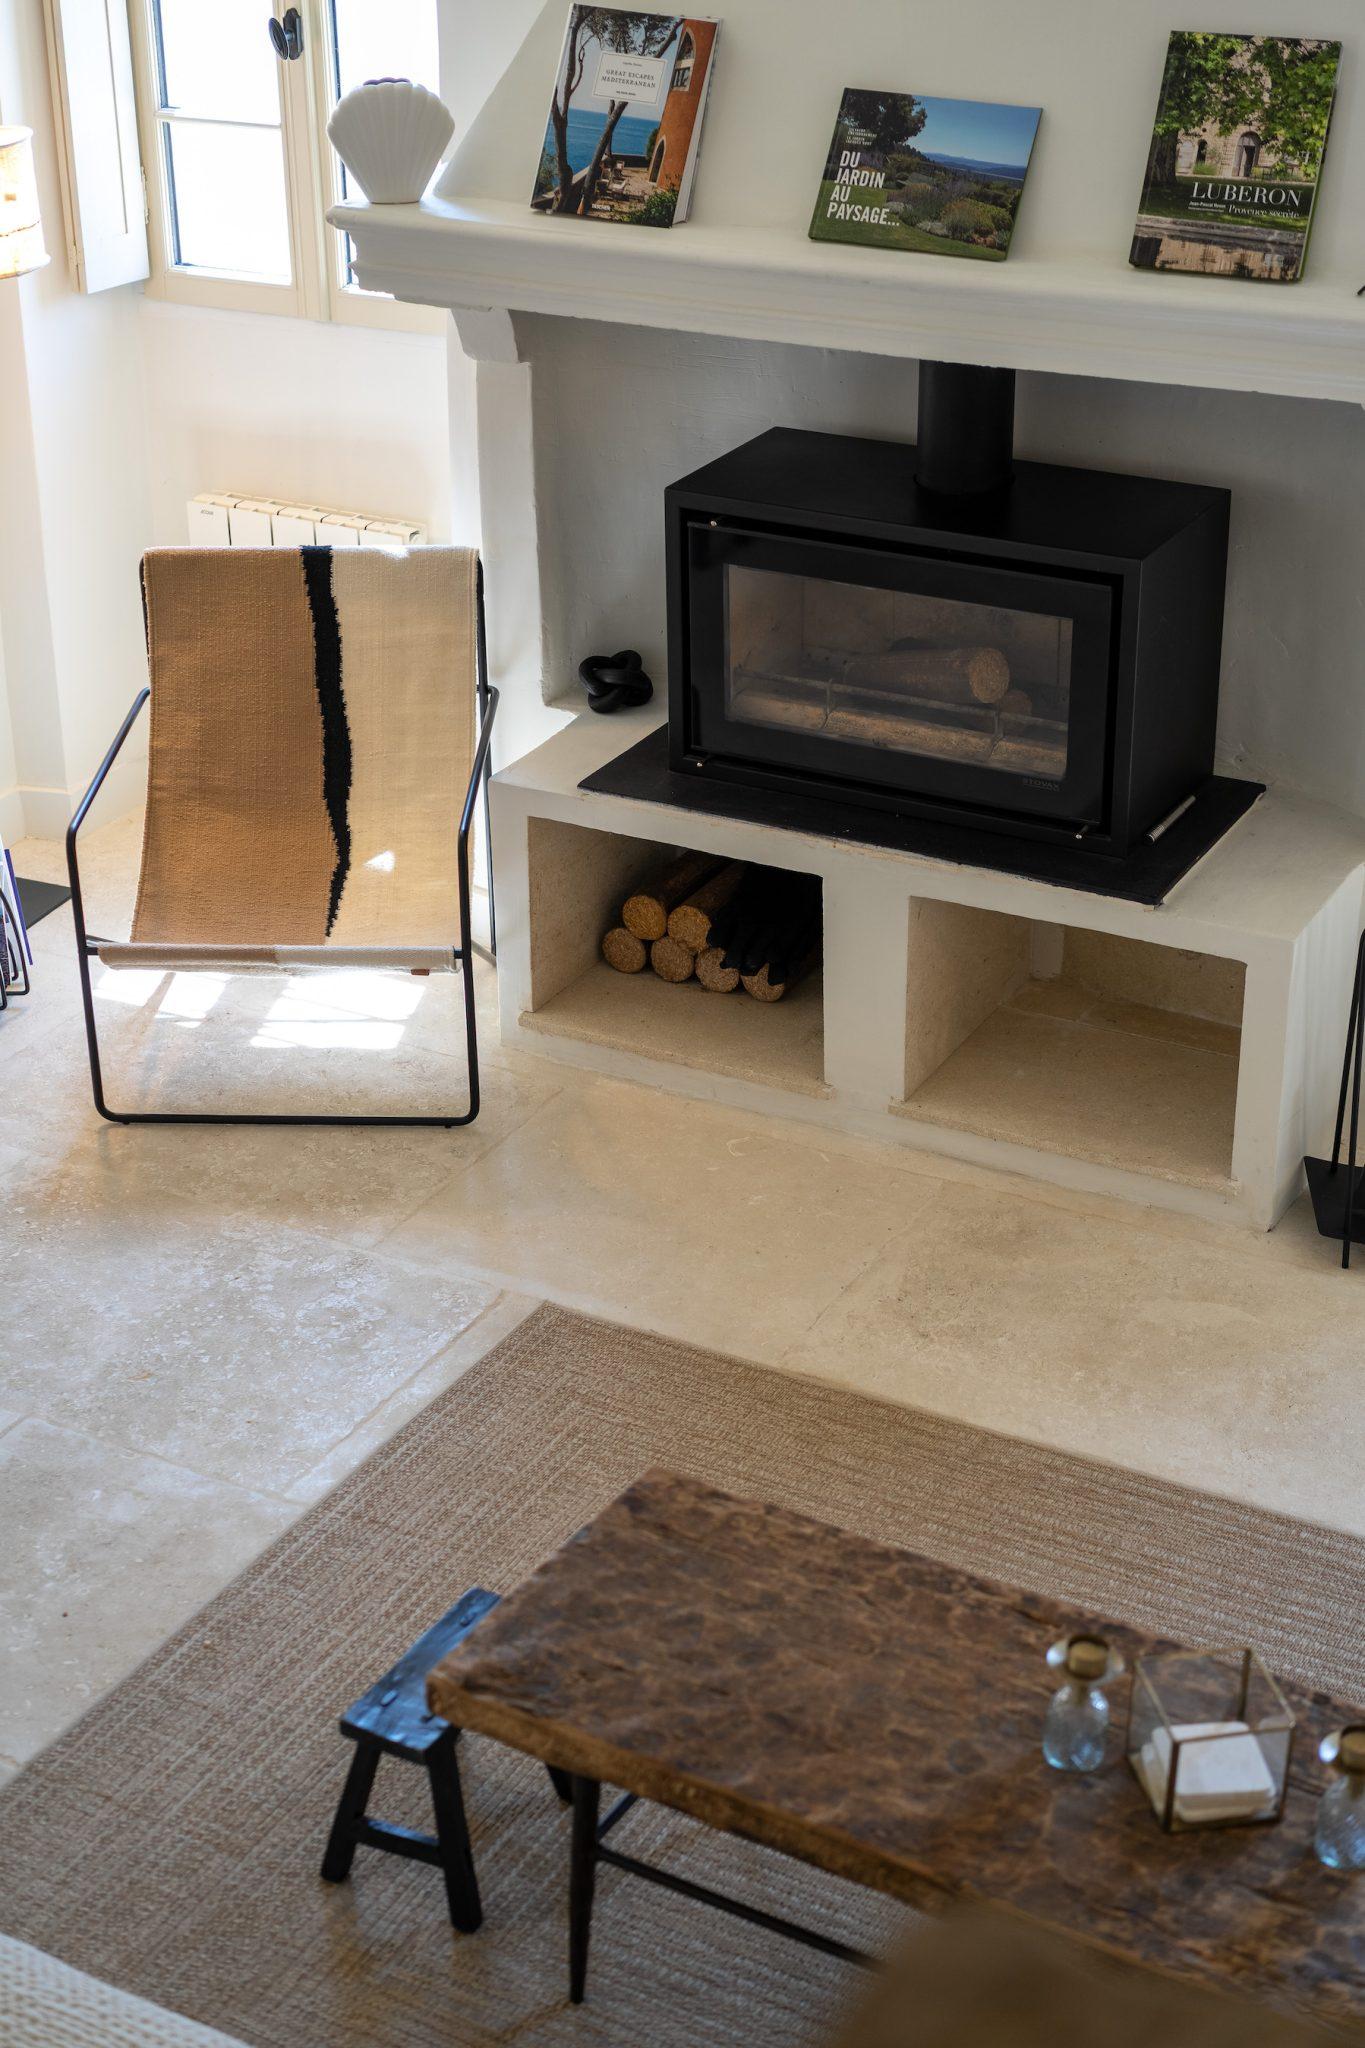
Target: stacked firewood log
[727, 924]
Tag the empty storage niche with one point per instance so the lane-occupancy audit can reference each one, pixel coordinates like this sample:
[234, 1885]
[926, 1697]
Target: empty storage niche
[1114, 1050]
[579, 880]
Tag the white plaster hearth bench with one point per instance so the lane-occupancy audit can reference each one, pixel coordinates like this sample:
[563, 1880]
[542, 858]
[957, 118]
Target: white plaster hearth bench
[1185, 1056]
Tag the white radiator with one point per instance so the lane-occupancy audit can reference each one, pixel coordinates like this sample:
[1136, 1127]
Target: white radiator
[218, 519]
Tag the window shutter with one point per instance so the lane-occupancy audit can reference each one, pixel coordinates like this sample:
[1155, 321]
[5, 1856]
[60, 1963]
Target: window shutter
[95, 115]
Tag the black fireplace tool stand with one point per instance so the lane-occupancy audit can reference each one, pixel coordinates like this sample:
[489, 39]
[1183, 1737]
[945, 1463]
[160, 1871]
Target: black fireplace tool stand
[1336, 1195]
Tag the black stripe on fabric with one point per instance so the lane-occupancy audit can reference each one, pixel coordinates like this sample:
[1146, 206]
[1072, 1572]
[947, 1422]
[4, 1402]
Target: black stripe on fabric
[336, 732]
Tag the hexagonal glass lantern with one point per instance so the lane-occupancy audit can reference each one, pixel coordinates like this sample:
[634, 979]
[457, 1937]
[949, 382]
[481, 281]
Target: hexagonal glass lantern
[1209, 1738]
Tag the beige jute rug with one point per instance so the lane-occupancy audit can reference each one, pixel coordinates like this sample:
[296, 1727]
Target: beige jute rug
[170, 1842]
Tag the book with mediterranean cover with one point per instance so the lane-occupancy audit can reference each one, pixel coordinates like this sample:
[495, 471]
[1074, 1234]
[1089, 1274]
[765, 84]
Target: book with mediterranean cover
[1237, 146]
[625, 120]
[940, 176]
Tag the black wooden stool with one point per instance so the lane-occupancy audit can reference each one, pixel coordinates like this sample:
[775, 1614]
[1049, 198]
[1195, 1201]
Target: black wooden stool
[392, 1719]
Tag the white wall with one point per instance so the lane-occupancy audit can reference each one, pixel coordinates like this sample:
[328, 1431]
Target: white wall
[85, 389]
[72, 486]
[1292, 703]
[477, 45]
[346, 416]
[31, 707]
[11, 803]
[633, 409]
[1093, 66]
[117, 408]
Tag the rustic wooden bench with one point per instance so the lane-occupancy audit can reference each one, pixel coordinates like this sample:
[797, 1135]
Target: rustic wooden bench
[393, 1719]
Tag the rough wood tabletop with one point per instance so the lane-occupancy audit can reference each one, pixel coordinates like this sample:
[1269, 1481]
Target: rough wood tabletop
[878, 1715]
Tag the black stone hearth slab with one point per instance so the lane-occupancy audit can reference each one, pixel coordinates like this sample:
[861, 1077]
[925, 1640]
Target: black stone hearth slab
[1147, 876]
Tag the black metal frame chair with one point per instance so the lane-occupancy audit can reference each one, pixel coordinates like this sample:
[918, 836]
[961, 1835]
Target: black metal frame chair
[462, 955]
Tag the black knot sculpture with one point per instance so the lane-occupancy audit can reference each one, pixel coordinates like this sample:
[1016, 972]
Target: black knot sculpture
[612, 680]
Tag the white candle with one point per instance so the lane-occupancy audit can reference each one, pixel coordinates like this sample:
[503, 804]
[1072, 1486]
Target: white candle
[1220, 1771]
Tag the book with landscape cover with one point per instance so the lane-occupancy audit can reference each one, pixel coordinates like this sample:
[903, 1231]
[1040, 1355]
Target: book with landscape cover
[1237, 146]
[939, 176]
[625, 120]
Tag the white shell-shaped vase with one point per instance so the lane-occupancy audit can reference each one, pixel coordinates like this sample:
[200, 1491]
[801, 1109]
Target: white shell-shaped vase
[390, 133]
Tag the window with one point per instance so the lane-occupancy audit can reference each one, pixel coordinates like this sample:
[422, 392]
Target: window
[369, 41]
[239, 169]
[682, 70]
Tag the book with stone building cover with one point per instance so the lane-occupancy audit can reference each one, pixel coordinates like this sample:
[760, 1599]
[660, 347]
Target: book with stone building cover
[1237, 148]
[625, 119]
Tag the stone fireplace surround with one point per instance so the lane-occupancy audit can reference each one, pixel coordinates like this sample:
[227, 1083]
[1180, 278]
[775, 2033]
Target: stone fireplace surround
[1185, 1055]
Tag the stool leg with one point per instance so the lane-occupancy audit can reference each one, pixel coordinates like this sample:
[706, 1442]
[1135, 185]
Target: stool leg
[562, 1782]
[582, 1877]
[355, 1797]
[452, 1835]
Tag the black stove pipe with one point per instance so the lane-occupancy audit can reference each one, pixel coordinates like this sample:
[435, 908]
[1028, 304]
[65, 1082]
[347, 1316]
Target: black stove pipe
[966, 429]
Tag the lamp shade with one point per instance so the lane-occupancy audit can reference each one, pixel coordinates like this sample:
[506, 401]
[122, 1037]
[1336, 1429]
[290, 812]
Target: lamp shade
[21, 229]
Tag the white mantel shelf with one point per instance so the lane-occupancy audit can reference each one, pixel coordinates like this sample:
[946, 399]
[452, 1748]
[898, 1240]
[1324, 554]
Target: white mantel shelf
[1091, 316]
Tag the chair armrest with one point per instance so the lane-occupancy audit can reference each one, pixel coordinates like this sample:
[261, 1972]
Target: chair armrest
[480, 765]
[102, 771]
[84, 943]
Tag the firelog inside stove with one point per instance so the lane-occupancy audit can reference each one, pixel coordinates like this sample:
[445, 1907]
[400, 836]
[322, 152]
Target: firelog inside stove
[972, 683]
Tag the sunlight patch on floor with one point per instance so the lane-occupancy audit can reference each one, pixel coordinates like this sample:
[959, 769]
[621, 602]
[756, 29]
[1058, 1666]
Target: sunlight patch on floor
[186, 997]
[363, 1011]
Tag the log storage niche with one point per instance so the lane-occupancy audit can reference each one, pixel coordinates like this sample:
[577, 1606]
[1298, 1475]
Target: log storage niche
[1109, 1049]
[719, 928]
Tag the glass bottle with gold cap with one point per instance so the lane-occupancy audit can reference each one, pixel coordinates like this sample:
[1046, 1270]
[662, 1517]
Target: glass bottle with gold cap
[1339, 1838]
[1076, 1731]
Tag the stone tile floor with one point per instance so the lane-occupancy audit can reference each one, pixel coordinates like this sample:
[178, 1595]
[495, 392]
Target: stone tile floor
[205, 1329]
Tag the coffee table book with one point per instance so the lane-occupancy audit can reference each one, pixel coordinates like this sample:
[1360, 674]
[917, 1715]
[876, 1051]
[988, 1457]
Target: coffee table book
[931, 176]
[625, 119]
[1237, 147]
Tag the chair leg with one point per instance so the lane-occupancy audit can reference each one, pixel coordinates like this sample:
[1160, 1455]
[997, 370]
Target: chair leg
[582, 1880]
[176, 1116]
[355, 1797]
[452, 1834]
[562, 1782]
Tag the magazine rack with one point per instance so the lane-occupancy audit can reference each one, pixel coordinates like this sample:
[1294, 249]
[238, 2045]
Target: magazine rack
[15, 978]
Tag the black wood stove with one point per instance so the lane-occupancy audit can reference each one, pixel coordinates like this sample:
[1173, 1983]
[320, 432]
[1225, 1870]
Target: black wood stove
[945, 634]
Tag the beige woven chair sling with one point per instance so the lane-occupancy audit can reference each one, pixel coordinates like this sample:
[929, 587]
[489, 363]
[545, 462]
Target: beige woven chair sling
[320, 724]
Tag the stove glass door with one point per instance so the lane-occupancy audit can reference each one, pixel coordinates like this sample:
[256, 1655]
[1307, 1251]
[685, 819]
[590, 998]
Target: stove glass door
[975, 680]
[972, 682]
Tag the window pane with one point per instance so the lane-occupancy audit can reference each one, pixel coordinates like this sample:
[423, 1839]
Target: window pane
[228, 199]
[216, 59]
[396, 40]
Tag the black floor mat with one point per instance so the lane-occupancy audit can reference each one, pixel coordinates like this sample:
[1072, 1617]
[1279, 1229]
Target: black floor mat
[36, 899]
